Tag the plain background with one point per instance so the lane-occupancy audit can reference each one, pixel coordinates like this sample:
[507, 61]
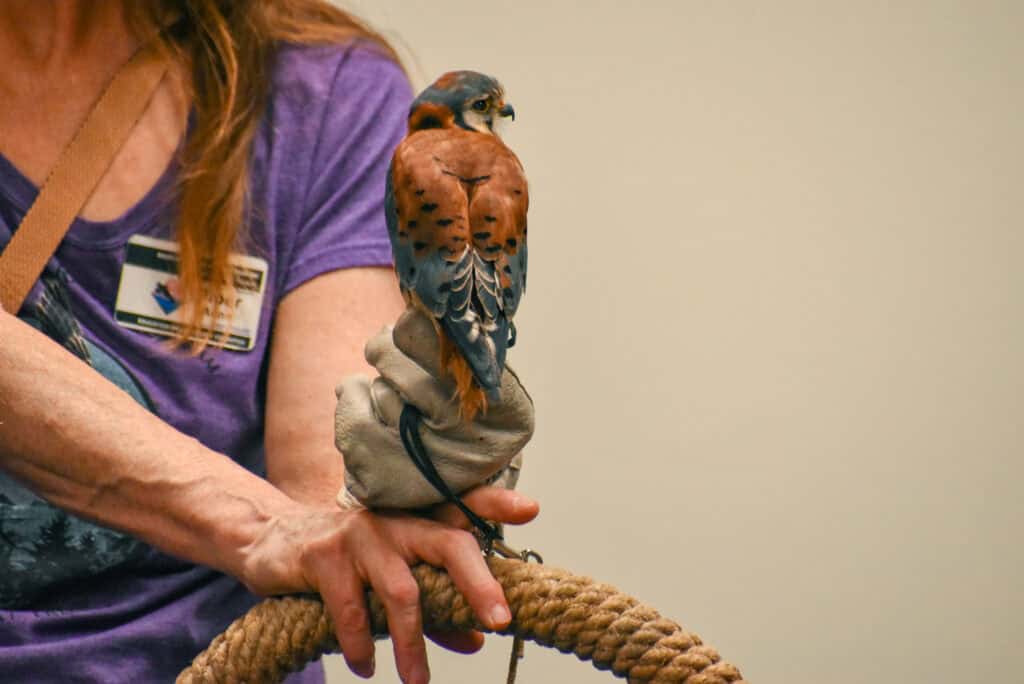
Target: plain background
[774, 328]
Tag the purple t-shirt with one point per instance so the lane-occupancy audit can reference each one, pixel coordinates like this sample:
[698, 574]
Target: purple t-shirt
[80, 603]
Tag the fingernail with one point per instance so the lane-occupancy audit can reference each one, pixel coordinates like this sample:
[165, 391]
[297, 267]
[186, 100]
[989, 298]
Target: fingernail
[365, 671]
[500, 616]
[419, 675]
[520, 503]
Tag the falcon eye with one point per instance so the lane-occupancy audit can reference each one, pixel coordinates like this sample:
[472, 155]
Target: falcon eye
[480, 105]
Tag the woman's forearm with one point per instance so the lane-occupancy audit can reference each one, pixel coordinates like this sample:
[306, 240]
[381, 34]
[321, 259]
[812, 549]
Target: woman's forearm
[86, 446]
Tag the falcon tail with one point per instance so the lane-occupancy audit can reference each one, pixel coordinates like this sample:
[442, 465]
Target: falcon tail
[475, 359]
[472, 399]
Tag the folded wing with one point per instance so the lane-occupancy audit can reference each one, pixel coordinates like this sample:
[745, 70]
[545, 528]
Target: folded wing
[456, 212]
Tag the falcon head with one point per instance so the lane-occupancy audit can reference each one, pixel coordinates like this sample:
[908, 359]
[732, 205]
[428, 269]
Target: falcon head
[466, 99]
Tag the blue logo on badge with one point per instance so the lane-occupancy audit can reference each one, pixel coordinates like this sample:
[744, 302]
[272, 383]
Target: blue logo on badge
[164, 299]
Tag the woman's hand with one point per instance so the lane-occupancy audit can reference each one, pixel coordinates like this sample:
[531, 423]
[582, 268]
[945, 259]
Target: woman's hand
[339, 553]
[378, 470]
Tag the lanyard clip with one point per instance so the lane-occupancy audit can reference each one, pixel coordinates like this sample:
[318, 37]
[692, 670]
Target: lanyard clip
[498, 546]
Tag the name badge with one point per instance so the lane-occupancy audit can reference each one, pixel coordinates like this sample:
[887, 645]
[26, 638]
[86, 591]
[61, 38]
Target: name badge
[148, 298]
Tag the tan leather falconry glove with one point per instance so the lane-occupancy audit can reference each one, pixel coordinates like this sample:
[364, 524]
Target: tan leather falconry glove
[378, 471]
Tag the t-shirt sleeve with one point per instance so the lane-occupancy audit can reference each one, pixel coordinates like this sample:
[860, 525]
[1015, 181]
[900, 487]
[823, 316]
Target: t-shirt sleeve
[342, 223]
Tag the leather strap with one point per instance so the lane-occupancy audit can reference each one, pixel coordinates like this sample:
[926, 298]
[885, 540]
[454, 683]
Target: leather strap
[76, 174]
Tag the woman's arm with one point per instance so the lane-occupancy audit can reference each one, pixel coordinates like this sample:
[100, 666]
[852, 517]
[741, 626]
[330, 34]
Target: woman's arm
[319, 333]
[86, 446]
[320, 329]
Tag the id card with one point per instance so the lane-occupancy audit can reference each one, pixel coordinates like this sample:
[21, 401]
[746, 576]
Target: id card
[148, 298]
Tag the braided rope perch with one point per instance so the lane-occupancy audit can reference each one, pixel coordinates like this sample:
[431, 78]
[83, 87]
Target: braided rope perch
[551, 607]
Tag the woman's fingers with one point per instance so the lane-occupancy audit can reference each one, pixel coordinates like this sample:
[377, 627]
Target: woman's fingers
[376, 549]
[492, 503]
[461, 642]
[346, 600]
[391, 579]
[459, 553]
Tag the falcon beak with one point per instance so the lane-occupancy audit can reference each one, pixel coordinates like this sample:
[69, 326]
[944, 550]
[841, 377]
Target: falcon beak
[506, 110]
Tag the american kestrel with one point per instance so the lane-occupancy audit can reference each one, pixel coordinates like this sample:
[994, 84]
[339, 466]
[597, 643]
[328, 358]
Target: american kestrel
[456, 212]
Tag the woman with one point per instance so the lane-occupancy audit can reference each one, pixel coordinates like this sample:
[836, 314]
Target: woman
[289, 111]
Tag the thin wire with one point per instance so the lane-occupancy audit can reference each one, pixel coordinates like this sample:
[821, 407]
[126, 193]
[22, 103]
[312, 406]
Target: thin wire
[513, 663]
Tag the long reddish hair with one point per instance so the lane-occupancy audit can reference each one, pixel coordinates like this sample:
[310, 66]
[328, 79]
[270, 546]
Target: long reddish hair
[227, 46]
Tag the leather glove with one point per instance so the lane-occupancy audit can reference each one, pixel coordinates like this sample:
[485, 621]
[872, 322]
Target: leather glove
[378, 471]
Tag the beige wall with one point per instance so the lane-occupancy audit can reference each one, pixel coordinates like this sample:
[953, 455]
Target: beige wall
[774, 326]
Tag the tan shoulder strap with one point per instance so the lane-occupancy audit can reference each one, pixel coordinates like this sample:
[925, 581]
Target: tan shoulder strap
[75, 175]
